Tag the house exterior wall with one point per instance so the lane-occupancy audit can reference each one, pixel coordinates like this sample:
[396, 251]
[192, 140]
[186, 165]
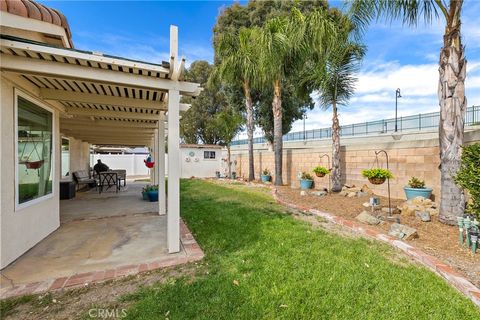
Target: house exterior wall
[196, 165]
[414, 154]
[22, 228]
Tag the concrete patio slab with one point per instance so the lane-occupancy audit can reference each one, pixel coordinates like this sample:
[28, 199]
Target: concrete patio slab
[93, 205]
[101, 237]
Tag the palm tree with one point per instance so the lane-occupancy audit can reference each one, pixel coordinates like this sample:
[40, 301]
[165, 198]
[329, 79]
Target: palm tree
[333, 77]
[239, 62]
[284, 44]
[451, 84]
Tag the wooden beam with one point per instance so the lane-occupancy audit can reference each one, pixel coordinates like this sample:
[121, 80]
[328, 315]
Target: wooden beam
[106, 123]
[18, 64]
[173, 49]
[83, 128]
[61, 95]
[83, 56]
[113, 114]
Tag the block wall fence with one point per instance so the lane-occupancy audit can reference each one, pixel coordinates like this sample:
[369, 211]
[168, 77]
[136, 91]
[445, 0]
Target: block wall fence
[410, 154]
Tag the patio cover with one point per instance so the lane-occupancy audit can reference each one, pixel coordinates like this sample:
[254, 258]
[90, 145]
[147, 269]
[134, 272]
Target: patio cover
[108, 100]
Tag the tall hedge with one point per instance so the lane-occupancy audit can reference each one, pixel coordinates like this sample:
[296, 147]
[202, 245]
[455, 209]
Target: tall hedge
[469, 176]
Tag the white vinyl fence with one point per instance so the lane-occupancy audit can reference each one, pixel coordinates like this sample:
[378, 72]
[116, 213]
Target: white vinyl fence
[133, 163]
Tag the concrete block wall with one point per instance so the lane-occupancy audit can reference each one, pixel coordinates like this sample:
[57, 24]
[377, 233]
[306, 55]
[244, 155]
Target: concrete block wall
[410, 154]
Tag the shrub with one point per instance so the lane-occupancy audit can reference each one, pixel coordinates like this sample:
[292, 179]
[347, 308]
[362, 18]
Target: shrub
[416, 183]
[266, 172]
[151, 188]
[306, 176]
[468, 177]
[377, 173]
[320, 169]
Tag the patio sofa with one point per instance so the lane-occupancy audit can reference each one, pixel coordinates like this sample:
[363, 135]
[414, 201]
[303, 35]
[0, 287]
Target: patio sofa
[81, 177]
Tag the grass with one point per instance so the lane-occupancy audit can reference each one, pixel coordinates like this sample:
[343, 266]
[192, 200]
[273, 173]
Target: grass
[262, 263]
[8, 306]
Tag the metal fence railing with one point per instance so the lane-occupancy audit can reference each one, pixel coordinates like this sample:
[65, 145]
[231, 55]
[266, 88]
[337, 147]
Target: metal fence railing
[409, 123]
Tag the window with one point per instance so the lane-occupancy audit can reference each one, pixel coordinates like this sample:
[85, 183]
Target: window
[65, 157]
[208, 154]
[34, 150]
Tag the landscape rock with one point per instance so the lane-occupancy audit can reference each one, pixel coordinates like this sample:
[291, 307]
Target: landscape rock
[366, 204]
[354, 189]
[366, 189]
[401, 231]
[367, 218]
[320, 193]
[343, 193]
[423, 215]
[410, 207]
[303, 193]
[362, 194]
[351, 194]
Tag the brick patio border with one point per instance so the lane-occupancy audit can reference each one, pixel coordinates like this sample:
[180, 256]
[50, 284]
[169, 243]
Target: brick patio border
[439, 267]
[190, 246]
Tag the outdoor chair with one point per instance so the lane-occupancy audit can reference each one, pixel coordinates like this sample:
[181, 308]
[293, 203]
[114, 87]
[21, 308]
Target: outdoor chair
[121, 176]
[108, 179]
[81, 177]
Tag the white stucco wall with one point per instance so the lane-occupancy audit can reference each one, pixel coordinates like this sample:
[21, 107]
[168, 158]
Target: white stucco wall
[22, 228]
[196, 165]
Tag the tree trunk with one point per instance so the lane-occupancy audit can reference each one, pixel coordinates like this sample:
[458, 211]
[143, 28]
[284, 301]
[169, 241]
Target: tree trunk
[229, 162]
[336, 174]
[451, 95]
[277, 131]
[250, 128]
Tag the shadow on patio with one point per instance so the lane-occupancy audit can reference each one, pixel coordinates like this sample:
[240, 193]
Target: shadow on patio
[101, 236]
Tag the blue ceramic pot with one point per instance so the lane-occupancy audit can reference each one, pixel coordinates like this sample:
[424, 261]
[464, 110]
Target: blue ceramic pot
[145, 195]
[411, 193]
[306, 184]
[266, 178]
[153, 196]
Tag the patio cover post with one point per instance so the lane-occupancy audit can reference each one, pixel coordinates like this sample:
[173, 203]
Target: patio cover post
[161, 166]
[155, 157]
[173, 216]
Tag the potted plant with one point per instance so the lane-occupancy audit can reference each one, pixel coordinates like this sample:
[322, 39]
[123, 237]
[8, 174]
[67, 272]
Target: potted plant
[145, 192]
[320, 171]
[266, 175]
[234, 175]
[153, 193]
[217, 174]
[306, 181]
[416, 188]
[377, 175]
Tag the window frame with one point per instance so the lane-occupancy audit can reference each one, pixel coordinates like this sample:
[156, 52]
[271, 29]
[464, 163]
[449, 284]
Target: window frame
[209, 153]
[19, 206]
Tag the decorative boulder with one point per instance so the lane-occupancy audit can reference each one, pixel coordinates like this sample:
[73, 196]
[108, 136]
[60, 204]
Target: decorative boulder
[367, 218]
[401, 231]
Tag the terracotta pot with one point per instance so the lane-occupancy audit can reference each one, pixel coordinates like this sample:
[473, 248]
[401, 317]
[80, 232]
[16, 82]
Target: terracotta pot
[377, 180]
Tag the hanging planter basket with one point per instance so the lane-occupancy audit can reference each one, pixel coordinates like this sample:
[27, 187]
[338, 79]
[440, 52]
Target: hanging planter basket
[376, 180]
[149, 164]
[320, 174]
[33, 164]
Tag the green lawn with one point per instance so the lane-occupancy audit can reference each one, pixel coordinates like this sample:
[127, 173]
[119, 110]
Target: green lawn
[262, 264]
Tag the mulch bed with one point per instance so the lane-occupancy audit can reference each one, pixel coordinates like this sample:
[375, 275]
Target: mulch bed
[435, 238]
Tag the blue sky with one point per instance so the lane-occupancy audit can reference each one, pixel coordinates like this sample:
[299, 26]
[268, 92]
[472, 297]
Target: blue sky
[397, 56]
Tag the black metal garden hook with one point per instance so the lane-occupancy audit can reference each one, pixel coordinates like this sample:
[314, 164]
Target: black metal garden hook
[388, 179]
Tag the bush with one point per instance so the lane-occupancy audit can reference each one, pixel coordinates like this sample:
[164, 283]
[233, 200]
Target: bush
[306, 176]
[468, 177]
[377, 173]
[320, 169]
[416, 183]
[266, 172]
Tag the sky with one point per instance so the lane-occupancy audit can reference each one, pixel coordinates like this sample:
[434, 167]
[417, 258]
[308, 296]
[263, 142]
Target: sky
[397, 57]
